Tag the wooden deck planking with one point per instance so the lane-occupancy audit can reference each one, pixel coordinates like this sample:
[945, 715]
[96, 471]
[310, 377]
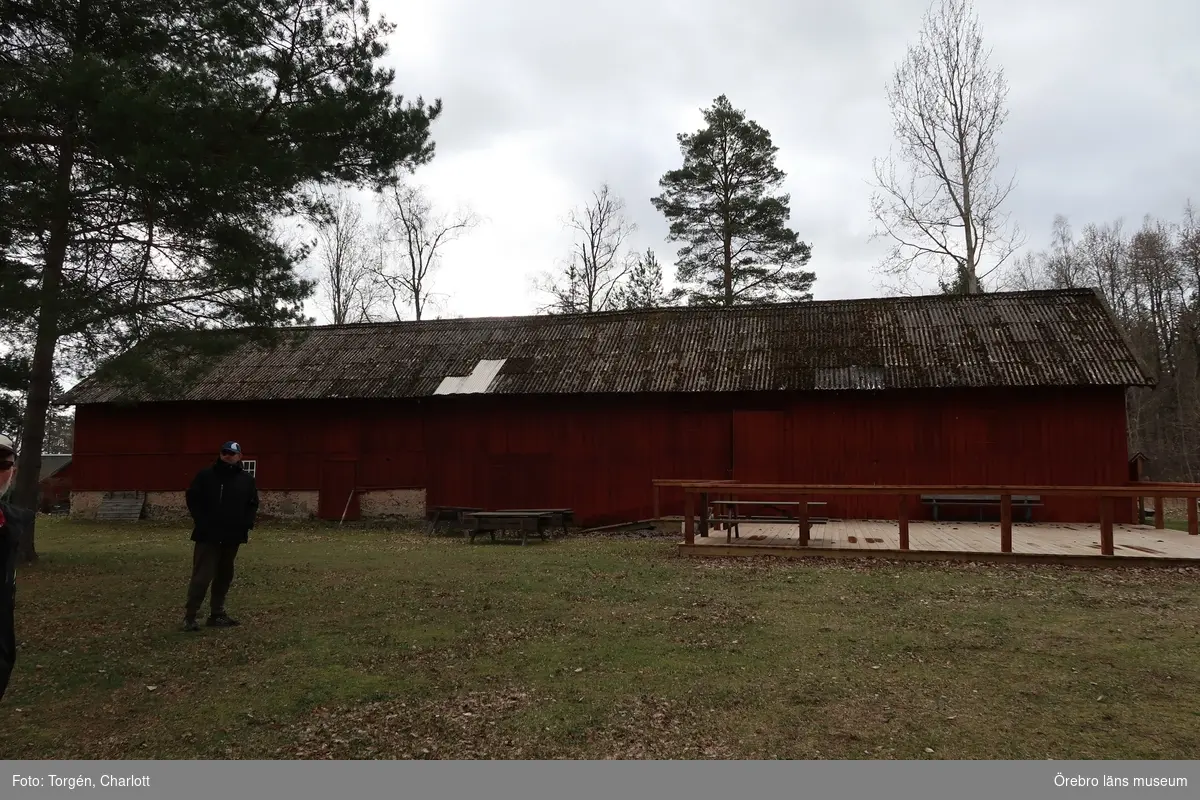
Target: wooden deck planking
[970, 537]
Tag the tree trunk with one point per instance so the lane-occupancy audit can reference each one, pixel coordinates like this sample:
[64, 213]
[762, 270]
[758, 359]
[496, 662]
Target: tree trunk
[729, 263]
[968, 216]
[728, 266]
[41, 379]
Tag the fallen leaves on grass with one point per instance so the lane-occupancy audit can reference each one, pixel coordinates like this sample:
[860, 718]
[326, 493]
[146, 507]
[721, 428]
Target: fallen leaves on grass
[469, 726]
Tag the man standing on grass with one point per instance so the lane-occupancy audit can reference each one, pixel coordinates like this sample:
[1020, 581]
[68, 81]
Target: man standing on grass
[13, 523]
[223, 502]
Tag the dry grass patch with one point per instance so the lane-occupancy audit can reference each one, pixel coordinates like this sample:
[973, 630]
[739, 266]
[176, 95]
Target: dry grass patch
[374, 643]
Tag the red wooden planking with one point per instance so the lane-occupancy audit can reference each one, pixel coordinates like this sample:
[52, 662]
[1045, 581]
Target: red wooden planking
[600, 454]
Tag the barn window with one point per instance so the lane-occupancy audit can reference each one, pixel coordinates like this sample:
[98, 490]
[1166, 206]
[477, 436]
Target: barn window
[251, 467]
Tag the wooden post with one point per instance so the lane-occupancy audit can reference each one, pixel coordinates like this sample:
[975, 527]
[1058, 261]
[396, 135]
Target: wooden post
[704, 515]
[689, 523]
[802, 513]
[1159, 522]
[1193, 527]
[1106, 526]
[1006, 523]
[903, 519]
[656, 514]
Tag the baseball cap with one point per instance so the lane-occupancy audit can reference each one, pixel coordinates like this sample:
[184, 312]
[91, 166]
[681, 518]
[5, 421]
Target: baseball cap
[231, 447]
[6, 445]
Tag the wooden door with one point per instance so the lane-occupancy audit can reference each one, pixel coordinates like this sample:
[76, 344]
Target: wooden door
[339, 479]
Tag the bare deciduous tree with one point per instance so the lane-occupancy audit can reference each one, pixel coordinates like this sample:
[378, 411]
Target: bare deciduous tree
[412, 236]
[347, 284]
[591, 279]
[942, 211]
[1151, 280]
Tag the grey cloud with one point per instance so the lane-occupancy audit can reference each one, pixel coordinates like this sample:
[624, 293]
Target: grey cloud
[1103, 123]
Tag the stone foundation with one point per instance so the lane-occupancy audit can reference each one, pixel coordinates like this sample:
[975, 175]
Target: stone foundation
[85, 505]
[299, 505]
[166, 506]
[287, 505]
[392, 504]
[172, 506]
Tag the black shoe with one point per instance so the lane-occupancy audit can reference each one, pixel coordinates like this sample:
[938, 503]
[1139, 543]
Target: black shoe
[190, 624]
[222, 621]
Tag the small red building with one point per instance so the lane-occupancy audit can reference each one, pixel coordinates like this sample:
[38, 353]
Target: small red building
[54, 482]
[583, 411]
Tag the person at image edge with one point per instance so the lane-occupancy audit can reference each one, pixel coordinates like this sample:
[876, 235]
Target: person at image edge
[13, 523]
[223, 502]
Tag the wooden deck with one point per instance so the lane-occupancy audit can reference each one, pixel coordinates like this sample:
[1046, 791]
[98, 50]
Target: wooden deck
[1134, 545]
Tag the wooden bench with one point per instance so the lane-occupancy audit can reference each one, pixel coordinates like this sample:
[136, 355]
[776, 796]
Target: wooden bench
[522, 522]
[1026, 502]
[454, 514]
[731, 520]
[561, 517]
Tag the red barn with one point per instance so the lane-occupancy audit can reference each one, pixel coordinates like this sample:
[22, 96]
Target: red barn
[583, 411]
[54, 482]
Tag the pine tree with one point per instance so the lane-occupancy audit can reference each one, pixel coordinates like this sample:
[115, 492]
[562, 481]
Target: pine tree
[643, 288]
[148, 149]
[722, 203]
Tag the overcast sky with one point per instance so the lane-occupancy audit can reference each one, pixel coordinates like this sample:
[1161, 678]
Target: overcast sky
[546, 99]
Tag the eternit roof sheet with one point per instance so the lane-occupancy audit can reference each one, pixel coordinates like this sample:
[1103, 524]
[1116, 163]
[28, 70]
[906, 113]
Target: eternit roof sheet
[1045, 338]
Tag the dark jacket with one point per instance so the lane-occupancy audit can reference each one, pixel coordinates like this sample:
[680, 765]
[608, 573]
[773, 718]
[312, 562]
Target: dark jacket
[16, 522]
[223, 501]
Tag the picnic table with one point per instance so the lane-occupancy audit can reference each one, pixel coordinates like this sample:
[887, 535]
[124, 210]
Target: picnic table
[455, 514]
[731, 519]
[561, 517]
[523, 521]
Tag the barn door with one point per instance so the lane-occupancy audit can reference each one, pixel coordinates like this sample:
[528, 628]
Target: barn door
[339, 478]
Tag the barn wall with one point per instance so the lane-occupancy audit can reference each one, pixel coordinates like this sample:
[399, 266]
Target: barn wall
[1044, 437]
[55, 490]
[599, 455]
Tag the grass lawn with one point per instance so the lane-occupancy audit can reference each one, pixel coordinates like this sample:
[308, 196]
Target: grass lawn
[386, 644]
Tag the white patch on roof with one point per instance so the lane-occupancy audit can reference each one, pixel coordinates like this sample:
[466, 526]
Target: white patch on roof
[849, 377]
[478, 382]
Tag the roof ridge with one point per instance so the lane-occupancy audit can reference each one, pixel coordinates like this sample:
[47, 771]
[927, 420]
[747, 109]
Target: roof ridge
[743, 308]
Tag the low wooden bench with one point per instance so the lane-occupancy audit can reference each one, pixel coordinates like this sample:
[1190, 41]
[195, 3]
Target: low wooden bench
[453, 514]
[561, 517]
[1023, 501]
[522, 522]
[731, 521]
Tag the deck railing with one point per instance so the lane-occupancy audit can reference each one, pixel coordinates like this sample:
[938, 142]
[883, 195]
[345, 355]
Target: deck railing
[702, 493]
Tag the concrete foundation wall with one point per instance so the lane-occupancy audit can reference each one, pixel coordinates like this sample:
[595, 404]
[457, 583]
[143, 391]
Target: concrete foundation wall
[166, 506]
[392, 504]
[84, 505]
[172, 506]
[287, 505]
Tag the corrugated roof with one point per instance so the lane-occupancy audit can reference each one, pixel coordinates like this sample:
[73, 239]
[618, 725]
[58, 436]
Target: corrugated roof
[52, 464]
[1044, 338]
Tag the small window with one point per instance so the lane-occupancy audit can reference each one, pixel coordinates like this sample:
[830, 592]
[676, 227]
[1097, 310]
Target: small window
[251, 467]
